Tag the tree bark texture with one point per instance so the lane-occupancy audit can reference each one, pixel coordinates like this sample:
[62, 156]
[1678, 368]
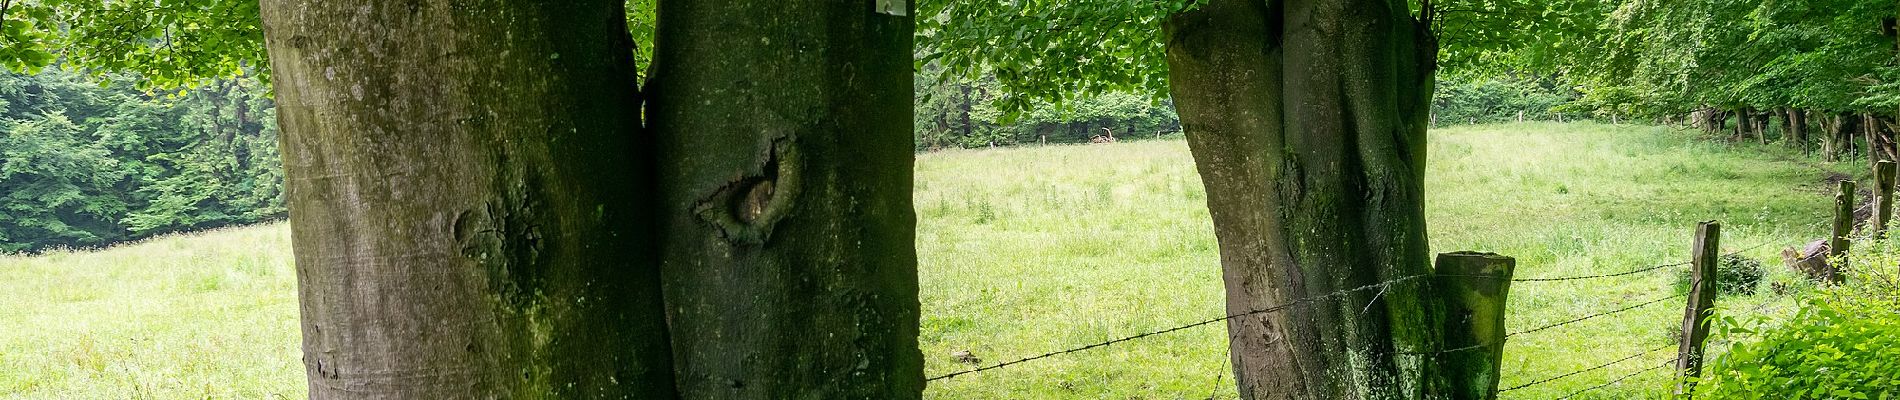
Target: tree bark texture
[1307, 123]
[1831, 146]
[1761, 127]
[469, 212]
[784, 130]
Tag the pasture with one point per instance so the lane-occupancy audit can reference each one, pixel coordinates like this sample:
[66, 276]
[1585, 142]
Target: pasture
[1028, 250]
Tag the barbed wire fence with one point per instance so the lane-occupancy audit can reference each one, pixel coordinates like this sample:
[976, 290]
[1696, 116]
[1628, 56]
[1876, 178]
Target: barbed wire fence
[1383, 286]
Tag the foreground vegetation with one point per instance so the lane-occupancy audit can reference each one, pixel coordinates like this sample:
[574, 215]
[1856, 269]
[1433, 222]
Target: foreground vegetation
[1029, 250]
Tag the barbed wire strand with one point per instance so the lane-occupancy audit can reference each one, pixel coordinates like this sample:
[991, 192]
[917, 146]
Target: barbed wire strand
[1669, 363]
[1610, 275]
[1178, 328]
[1750, 248]
[1587, 317]
[1381, 285]
[1212, 394]
[1614, 274]
[1574, 373]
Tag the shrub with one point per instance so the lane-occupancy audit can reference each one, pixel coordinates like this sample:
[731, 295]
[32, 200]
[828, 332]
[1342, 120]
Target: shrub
[1830, 350]
[1844, 342]
[1735, 275]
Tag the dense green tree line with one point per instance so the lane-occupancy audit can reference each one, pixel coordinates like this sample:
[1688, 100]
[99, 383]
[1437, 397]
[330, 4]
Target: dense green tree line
[1475, 98]
[1755, 70]
[968, 113]
[84, 163]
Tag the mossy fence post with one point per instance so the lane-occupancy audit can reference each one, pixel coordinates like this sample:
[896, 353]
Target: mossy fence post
[1843, 226]
[1475, 286]
[1695, 318]
[1883, 197]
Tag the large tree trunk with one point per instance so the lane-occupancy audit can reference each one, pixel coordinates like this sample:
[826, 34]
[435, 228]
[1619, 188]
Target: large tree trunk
[1761, 127]
[1830, 139]
[470, 216]
[1307, 123]
[1794, 128]
[785, 137]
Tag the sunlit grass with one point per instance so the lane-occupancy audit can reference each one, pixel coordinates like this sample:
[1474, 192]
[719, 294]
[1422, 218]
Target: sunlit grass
[208, 315]
[1024, 251]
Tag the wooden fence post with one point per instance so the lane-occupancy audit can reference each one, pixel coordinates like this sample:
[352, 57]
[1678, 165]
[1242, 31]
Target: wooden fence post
[1883, 197]
[1475, 286]
[1843, 226]
[1695, 328]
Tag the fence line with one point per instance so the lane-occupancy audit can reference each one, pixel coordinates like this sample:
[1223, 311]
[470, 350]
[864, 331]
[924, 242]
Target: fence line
[1182, 327]
[1670, 363]
[1586, 317]
[1611, 275]
[1220, 376]
[1573, 373]
[1614, 274]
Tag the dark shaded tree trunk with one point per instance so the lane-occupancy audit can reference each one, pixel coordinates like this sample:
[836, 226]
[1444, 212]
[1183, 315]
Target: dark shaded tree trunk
[784, 129]
[1761, 127]
[1307, 123]
[963, 112]
[1793, 128]
[469, 212]
[1831, 138]
[1741, 125]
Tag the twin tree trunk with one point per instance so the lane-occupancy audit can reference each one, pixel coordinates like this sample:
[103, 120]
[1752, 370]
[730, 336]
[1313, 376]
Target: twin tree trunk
[479, 212]
[1307, 123]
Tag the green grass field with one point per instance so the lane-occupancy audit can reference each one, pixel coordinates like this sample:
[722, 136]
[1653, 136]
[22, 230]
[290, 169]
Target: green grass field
[1025, 251]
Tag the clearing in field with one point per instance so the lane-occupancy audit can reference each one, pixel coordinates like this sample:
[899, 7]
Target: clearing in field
[1025, 251]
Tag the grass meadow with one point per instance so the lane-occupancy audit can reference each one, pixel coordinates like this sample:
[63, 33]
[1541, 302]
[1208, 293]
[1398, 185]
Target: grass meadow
[1029, 250]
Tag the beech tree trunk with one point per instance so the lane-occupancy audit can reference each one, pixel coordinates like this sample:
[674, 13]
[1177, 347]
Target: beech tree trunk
[1761, 127]
[1794, 128]
[469, 212]
[784, 129]
[1831, 140]
[1742, 124]
[1307, 123]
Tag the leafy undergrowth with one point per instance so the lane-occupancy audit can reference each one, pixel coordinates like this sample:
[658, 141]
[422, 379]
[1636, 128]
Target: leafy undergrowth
[1843, 343]
[1028, 250]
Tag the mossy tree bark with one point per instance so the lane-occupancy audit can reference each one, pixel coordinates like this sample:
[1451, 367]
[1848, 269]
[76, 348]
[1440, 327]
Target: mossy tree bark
[469, 212]
[1307, 122]
[478, 211]
[784, 129]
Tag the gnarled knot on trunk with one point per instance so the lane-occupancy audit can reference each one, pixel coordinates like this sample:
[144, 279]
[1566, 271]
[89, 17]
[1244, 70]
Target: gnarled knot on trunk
[744, 210]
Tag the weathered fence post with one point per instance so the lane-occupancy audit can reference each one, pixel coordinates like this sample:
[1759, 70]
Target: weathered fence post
[1883, 197]
[1843, 226]
[1695, 328]
[1475, 286]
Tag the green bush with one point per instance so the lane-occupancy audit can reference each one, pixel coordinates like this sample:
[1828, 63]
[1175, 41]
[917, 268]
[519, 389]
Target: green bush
[1844, 342]
[1828, 351]
[1735, 275]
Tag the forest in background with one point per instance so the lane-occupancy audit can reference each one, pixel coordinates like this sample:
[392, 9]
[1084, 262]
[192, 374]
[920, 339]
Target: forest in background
[88, 161]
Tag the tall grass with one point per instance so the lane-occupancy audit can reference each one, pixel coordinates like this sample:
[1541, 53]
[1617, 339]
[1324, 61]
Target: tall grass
[205, 315]
[1024, 251]
[1089, 243]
